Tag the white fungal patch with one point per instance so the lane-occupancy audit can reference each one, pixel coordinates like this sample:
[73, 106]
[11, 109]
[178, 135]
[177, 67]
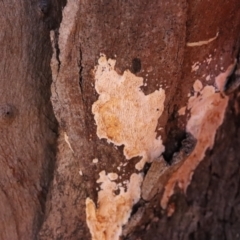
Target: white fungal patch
[208, 77]
[106, 221]
[182, 111]
[195, 66]
[95, 160]
[112, 176]
[197, 86]
[209, 59]
[124, 114]
[200, 43]
[207, 113]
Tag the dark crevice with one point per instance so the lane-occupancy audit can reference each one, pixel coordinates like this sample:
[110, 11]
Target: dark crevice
[42, 197]
[52, 9]
[173, 143]
[56, 46]
[175, 135]
[188, 144]
[80, 73]
[44, 6]
[233, 80]
[146, 168]
[140, 203]
[176, 138]
[50, 12]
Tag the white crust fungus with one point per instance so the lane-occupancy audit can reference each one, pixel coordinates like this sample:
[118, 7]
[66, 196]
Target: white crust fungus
[106, 221]
[124, 114]
[95, 160]
[182, 111]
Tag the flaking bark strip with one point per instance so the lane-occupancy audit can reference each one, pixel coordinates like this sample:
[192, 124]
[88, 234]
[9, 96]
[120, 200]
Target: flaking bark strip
[207, 113]
[151, 180]
[134, 221]
[200, 43]
[155, 184]
[159, 172]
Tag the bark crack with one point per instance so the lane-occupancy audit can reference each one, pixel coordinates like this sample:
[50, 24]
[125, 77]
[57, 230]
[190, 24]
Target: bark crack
[57, 49]
[80, 73]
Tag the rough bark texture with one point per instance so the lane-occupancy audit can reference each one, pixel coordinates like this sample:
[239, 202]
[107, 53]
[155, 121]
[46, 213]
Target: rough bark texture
[28, 126]
[43, 195]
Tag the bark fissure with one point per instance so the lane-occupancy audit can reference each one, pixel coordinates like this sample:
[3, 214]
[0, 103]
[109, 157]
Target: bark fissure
[57, 49]
[81, 82]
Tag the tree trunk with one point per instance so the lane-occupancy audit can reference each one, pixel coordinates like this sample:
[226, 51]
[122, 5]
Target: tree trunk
[120, 119]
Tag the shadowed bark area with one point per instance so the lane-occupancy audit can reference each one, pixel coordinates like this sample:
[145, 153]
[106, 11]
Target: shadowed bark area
[47, 168]
[210, 208]
[28, 126]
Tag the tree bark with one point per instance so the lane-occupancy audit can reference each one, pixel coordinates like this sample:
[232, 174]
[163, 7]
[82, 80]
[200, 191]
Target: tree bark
[28, 126]
[49, 129]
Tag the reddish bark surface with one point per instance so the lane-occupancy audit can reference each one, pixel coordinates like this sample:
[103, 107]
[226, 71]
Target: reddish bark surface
[43, 195]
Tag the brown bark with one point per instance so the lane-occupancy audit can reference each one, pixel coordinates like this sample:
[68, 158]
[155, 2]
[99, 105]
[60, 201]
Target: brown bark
[28, 126]
[43, 195]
